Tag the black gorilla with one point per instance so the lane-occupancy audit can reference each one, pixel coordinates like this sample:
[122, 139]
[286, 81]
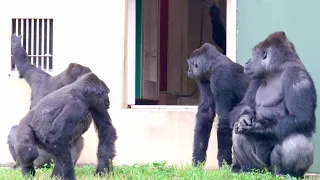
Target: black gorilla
[275, 121]
[41, 84]
[51, 125]
[222, 85]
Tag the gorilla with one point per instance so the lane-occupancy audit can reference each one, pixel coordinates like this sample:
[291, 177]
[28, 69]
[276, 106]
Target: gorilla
[51, 125]
[41, 84]
[275, 121]
[222, 85]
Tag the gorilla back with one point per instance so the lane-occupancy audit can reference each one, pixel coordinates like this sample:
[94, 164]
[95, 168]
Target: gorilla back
[52, 122]
[222, 85]
[275, 121]
[41, 84]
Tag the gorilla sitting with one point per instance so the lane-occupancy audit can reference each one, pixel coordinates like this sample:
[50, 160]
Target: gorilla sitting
[275, 121]
[50, 125]
[41, 84]
[222, 85]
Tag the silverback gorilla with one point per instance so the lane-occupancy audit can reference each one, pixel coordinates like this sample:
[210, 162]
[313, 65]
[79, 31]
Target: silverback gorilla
[41, 84]
[275, 121]
[222, 85]
[51, 123]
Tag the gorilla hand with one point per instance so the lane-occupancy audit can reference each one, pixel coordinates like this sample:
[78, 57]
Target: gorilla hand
[243, 125]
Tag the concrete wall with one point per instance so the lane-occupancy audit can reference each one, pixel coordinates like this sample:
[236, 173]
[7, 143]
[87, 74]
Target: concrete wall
[93, 34]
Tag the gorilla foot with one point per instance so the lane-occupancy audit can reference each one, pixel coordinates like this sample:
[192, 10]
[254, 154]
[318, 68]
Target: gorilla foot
[196, 162]
[58, 175]
[236, 168]
[103, 169]
[28, 171]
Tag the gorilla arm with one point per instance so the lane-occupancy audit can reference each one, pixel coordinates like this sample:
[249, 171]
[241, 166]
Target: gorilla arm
[204, 120]
[300, 100]
[26, 70]
[107, 135]
[246, 106]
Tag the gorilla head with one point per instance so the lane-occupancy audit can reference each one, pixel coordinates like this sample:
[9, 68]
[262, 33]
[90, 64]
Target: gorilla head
[75, 70]
[271, 55]
[202, 61]
[100, 93]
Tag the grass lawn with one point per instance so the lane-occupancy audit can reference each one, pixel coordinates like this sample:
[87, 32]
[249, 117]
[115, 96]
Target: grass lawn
[148, 171]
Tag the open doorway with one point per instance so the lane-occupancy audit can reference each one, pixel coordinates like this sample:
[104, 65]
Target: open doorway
[166, 34]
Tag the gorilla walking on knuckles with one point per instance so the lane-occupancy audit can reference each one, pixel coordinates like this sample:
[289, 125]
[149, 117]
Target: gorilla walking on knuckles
[51, 123]
[275, 121]
[222, 85]
[41, 84]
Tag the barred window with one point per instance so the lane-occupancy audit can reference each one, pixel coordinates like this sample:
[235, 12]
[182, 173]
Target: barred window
[37, 40]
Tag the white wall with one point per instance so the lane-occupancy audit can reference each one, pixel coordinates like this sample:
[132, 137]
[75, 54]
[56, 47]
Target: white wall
[93, 34]
[88, 33]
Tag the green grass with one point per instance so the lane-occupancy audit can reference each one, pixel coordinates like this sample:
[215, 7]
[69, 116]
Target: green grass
[149, 171]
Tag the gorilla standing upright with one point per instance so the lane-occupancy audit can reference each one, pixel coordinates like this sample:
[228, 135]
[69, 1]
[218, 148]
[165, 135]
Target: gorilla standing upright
[41, 84]
[275, 121]
[222, 85]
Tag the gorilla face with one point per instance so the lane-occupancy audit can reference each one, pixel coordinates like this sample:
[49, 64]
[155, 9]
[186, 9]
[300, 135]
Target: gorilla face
[105, 95]
[270, 56]
[259, 65]
[98, 91]
[199, 68]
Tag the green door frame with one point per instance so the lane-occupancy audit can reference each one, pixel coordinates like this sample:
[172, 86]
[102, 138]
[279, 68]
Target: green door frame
[138, 47]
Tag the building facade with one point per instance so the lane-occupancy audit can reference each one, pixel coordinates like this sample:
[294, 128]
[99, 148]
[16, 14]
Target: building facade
[102, 35]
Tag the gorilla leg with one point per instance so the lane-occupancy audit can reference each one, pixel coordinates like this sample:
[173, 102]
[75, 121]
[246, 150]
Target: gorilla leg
[12, 141]
[224, 135]
[202, 134]
[294, 156]
[63, 165]
[240, 146]
[76, 149]
[252, 152]
[43, 160]
[26, 148]
[204, 120]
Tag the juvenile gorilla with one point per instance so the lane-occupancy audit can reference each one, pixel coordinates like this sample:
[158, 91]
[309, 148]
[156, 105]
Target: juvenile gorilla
[222, 85]
[276, 119]
[41, 84]
[51, 124]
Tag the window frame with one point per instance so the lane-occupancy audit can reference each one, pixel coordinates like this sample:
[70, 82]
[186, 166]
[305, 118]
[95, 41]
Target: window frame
[15, 72]
[130, 53]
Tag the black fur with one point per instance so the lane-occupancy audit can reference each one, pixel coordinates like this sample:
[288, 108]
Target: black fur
[274, 122]
[51, 124]
[222, 85]
[41, 84]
